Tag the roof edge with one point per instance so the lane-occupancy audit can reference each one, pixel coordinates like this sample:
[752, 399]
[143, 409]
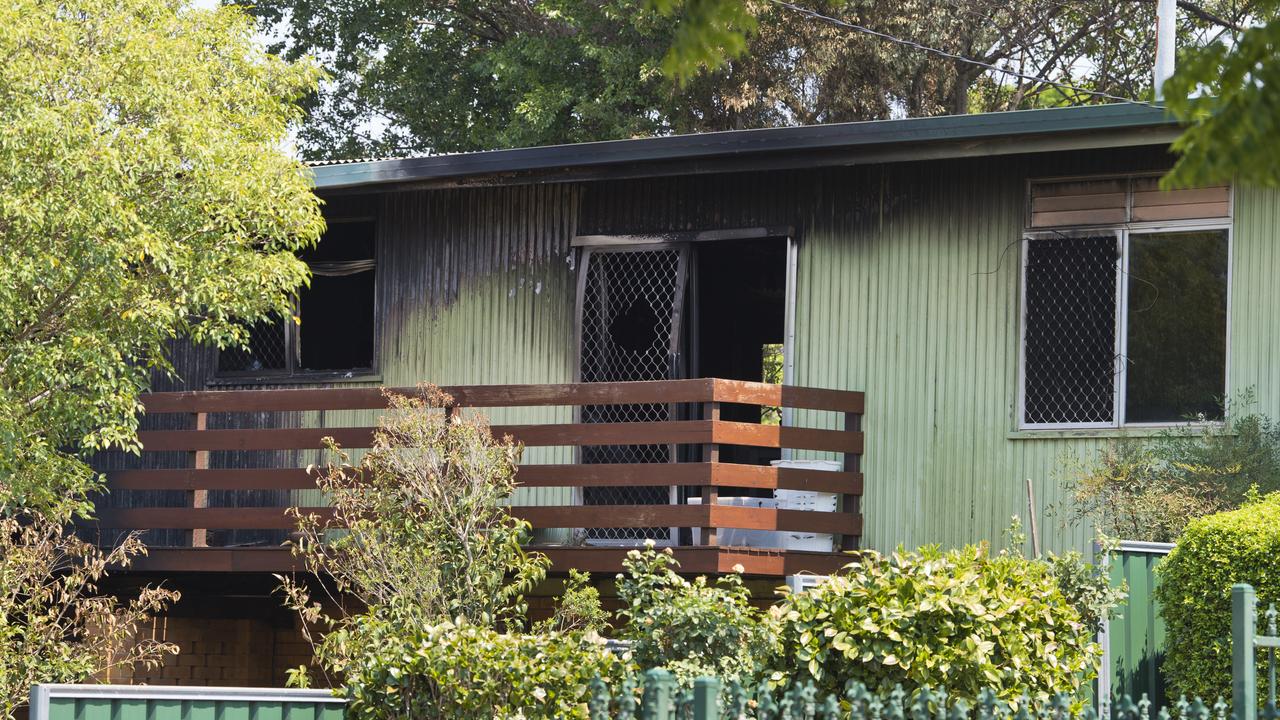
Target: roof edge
[869, 138]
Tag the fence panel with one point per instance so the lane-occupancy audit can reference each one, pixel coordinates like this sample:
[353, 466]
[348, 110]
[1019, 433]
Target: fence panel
[1133, 643]
[142, 702]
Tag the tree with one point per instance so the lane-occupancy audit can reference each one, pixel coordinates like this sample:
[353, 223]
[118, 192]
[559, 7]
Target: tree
[1225, 91]
[435, 76]
[145, 195]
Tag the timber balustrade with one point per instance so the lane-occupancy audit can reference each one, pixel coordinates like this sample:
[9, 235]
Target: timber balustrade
[704, 437]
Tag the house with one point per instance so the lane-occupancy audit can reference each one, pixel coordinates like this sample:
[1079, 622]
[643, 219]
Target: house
[953, 305]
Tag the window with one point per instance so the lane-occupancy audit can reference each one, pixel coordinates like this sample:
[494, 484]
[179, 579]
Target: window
[334, 332]
[1126, 324]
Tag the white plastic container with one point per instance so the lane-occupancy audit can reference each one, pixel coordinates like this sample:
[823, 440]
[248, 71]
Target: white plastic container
[808, 500]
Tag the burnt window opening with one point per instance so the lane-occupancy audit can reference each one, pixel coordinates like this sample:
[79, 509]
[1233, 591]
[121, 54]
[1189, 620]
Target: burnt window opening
[334, 326]
[1124, 328]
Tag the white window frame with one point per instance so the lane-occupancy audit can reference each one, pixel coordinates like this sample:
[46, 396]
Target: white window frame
[1122, 233]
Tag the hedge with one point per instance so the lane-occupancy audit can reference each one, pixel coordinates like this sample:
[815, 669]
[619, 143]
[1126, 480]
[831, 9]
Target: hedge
[1213, 554]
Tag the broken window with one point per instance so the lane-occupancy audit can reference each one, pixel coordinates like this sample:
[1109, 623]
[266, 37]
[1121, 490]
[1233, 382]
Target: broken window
[334, 330]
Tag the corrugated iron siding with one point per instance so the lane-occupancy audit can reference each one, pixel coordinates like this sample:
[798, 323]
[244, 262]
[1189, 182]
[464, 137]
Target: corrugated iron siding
[907, 290]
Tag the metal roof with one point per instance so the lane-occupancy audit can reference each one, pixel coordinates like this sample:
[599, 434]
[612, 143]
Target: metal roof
[843, 143]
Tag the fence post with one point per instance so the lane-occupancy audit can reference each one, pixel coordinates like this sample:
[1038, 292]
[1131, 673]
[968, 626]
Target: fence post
[659, 695]
[706, 699]
[1244, 669]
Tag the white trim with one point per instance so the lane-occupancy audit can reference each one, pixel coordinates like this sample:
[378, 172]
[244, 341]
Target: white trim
[1123, 233]
[42, 694]
[789, 332]
[1143, 546]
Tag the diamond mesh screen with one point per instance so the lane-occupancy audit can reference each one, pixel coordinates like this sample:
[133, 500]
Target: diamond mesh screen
[1069, 354]
[629, 305]
[266, 350]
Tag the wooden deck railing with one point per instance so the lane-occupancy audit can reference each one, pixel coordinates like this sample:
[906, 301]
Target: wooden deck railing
[707, 435]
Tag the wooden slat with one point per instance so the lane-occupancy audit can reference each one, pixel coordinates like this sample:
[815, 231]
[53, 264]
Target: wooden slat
[679, 432]
[749, 518]
[612, 516]
[1095, 201]
[1149, 198]
[215, 518]
[556, 516]
[603, 475]
[1078, 217]
[253, 439]
[215, 479]
[755, 393]
[719, 516]
[774, 436]
[1186, 211]
[372, 398]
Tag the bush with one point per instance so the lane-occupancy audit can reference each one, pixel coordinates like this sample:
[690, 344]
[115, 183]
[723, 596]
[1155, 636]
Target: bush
[691, 627]
[962, 618]
[455, 671]
[1150, 489]
[419, 524]
[1194, 592]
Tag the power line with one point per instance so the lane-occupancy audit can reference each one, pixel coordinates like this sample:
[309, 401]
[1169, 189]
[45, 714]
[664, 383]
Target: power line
[953, 56]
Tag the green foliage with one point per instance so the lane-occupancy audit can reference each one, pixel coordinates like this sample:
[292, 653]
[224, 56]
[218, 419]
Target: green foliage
[1150, 489]
[434, 76]
[579, 608]
[691, 627]
[1214, 553]
[919, 618]
[458, 670]
[145, 195]
[1225, 92]
[711, 33]
[418, 529]
[55, 624]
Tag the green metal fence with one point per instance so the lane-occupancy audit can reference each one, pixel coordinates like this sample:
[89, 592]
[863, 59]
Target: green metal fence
[1133, 643]
[141, 702]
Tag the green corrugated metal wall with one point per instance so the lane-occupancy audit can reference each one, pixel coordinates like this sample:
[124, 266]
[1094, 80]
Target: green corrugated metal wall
[907, 289]
[117, 702]
[914, 300]
[70, 709]
[1135, 640]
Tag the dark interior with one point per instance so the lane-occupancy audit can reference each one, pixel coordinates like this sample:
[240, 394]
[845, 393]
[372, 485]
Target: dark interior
[336, 332]
[741, 299]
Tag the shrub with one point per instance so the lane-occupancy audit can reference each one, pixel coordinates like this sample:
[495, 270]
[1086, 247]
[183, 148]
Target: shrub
[1150, 489]
[962, 618]
[419, 525]
[1194, 592]
[459, 671]
[691, 627]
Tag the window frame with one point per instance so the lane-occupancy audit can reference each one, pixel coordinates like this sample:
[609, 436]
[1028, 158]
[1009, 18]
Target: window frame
[291, 373]
[1123, 232]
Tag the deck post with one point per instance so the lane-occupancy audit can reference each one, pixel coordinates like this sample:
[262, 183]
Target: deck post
[849, 503]
[200, 496]
[710, 492]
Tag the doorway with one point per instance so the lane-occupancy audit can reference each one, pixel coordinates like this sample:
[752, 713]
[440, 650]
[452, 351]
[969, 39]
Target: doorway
[670, 310]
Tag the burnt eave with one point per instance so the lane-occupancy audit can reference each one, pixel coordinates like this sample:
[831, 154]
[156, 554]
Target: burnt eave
[770, 148]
